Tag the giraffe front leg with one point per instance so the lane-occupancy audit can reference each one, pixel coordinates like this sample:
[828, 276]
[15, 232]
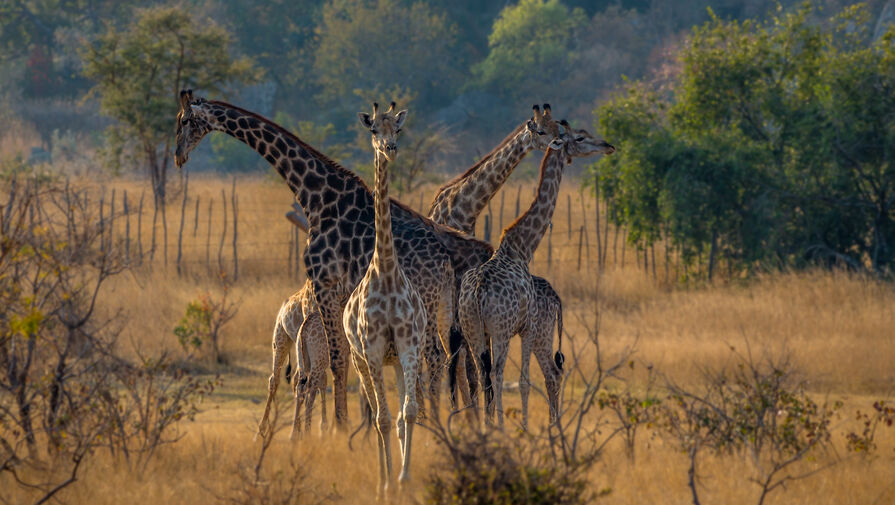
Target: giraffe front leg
[383, 426]
[435, 360]
[280, 353]
[410, 364]
[299, 386]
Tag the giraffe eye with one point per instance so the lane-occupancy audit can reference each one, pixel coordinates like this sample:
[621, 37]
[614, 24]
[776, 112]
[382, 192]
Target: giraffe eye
[398, 130]
[374, 131]
[184, 121]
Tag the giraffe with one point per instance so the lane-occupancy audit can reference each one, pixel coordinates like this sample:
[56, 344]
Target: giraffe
[385, 313]
[339, 209]
[496, 299]
[537, 338]
[459, 202]
[296, 325]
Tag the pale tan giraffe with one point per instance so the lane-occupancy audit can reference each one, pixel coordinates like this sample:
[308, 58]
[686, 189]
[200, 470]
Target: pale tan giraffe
[296, 328]
[339, 209]
[385, 313]
[496, 299]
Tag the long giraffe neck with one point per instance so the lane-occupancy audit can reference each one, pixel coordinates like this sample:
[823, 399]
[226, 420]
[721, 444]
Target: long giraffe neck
[523, 236]
[315, 180]
[384, 257]
[460, 202]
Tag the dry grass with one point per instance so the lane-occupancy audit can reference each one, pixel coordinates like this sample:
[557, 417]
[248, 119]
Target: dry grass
[838, 328]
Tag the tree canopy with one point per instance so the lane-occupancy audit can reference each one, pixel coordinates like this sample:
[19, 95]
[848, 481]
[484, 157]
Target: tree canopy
[773, 146]
[139, 72]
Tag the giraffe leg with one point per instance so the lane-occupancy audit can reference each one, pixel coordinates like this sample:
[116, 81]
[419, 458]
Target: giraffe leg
[552, 377]
[435, 359]
[299, 387]
[383, 425]
[410, 366]
[331, 311]
[399, 423]
[280, 352]
[524, 378]
[500, 348]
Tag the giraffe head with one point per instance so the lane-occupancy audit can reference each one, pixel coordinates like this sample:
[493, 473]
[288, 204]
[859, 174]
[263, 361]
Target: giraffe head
[193, 123]
[541, 128]
[580, 143]
[385, 127]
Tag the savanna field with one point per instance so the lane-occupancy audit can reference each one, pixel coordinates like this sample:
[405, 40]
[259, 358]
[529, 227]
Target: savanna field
[835, 328]
[722, 242]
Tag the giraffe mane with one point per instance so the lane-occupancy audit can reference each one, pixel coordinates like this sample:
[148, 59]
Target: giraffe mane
[314, 151]
[329, 161]
[479, 163]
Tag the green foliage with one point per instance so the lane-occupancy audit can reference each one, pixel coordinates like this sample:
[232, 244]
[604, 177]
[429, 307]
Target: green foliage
[139, 72]
[376, 44]
[202, 325]
[772, 147]
[530, 48]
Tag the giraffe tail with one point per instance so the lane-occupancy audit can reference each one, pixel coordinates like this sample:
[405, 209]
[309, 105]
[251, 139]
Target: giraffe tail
[487, 353]
[559, 358]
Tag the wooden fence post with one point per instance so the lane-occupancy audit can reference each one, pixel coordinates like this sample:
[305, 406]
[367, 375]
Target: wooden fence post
[234, 201]
[580, 242]
[487, 231]
[186, 189]
[196, 218]
[597, 218]
[102, 221]
[584, 227]
[140, 228]
[208, 235]
[112, 220]
[223, 233]
[127, 229]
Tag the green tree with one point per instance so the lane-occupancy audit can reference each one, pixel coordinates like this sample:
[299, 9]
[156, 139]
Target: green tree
[139, 72]
[773, 147]
[382, 44]
[531, 48]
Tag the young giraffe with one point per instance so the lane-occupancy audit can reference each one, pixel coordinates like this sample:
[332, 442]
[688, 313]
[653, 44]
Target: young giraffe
[297, 327]
[339, 208]
[496, 300]
[385, 313]
[459, 202]
[538, 339]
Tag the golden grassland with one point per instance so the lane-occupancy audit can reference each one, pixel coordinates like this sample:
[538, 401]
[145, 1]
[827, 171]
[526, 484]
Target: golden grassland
[839, 330]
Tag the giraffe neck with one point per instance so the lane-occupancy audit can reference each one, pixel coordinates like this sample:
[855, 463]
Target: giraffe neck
[523, 236]
[384, 257]
[459, 203]
[316, 181]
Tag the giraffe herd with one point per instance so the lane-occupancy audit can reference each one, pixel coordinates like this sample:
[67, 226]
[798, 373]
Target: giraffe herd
[389, 286]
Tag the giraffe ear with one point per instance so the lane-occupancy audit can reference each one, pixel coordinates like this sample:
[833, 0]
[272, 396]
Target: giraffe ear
[186, 96]
[365, 120]
[399, 118]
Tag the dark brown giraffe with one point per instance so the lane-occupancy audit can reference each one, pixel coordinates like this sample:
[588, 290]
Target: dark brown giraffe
[339, 208]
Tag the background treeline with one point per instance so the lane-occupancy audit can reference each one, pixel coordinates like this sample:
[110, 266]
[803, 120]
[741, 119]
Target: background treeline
[753, 133]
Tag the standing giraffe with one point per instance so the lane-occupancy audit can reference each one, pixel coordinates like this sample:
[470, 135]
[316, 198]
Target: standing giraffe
[298, 325]
[385, 313]
[496, 299]
[339, 207]
[459, 202]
